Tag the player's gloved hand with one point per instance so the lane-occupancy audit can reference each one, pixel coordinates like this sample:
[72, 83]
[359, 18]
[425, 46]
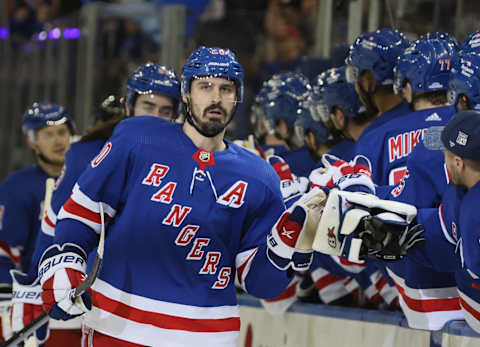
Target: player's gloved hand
[333, 169]
[290, 185]
[354, 225]
[61, 270]
[27, 304]
[355, 175]
[290, 240]
[390, 238]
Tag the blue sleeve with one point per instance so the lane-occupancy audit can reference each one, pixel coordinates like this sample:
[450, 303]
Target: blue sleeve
[103, 182]
[75, 163]
[470, 242]
[418, 186]
[261, 273]
[373, 151]
[15, 226]
[437, 252]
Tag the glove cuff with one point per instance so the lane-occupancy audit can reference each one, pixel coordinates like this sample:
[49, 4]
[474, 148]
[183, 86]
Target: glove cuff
[58, 257]
[27, 294]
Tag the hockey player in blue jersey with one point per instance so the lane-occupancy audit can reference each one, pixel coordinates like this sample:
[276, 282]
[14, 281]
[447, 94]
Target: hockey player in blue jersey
[421, 75]
[48, 129]
[451, 229]
[424, 185]
[188, 211]
[283, 104]
[151, 89]
[370, 68]
[340, 108]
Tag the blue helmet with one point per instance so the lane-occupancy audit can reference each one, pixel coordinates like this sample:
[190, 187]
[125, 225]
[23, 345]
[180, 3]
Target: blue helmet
[305, 123]
[376, 52]
[42, 114]
[438, 35]
[285, 99]
[426, 65]
[465, 80]
[335, 91]
[471, 43]
[256, 111]
[150, 78]
[213, 62]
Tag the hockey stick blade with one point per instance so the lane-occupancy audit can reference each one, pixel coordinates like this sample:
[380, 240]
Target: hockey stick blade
[23, 334]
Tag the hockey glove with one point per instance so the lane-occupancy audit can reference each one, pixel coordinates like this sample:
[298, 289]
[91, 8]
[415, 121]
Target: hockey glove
[61, 270]
[290, 240]
[388, 237]
[292, 187]
[354, 225]
[27, 304]
[355, 175]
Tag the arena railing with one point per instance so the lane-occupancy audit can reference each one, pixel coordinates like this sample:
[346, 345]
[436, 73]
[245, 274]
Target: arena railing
[312, 325]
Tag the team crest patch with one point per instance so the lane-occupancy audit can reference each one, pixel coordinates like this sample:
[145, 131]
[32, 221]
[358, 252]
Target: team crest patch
[461, 138]
[204, 158]
[102, 155]
[332, 240]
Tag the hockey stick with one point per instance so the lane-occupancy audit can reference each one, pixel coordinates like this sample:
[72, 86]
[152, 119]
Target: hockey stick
[87, 283]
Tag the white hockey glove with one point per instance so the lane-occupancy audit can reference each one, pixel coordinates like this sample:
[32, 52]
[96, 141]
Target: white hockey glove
[291, 186]
[355, 175]
[61, 270]
[27, 304]
[354, 225]
[290, 240]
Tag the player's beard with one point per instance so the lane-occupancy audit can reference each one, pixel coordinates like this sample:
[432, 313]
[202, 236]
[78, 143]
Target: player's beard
[210, 127]
[367, 100]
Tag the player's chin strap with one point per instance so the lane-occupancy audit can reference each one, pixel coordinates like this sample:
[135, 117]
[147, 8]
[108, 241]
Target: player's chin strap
[76, 293]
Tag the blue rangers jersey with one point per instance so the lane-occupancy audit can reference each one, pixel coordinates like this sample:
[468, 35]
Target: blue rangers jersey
[183, 222]
[300, 161]
[398, 111]
[389, 145]
[425, 179]
[21, 205]
[451, 232]
[77, 159]
[343, 150]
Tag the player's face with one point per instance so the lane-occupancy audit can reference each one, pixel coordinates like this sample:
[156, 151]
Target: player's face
[154, 105]
[212, 102]
[53, 142]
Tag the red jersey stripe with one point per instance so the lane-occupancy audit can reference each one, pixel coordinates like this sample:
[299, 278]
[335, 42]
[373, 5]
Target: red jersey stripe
[429, 305]
[164, 321]
[71, 206]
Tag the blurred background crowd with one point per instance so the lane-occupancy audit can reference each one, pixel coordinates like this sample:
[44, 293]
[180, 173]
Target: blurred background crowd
[77, 52]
